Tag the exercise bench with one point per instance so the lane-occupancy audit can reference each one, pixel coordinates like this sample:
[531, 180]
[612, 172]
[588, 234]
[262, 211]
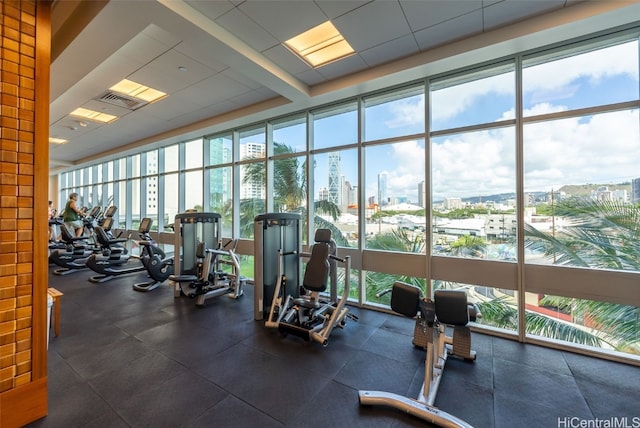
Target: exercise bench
[55, 295]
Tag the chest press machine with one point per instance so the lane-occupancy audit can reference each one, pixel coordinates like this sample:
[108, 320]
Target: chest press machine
[199, 258]
[307, 314]
[448, 308]
[291, 303]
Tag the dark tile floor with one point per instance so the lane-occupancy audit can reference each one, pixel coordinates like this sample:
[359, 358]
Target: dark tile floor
[131, 359]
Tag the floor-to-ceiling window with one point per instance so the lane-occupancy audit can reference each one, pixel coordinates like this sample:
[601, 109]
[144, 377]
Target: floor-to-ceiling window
[253, 176]
[473, 188]
[581, 141]
[514, 180]
[219, 194]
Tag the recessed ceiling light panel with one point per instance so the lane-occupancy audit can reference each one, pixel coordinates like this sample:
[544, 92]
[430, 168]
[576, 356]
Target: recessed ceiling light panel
[131, 88]
[321, 45]
[84, 113]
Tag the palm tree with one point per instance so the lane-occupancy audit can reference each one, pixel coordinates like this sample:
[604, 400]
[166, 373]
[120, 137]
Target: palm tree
[598, 234]
[395, 240]
[469, 246]
[289, 192]
[496, 312]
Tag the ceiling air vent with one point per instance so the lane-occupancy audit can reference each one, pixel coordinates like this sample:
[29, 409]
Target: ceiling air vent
[121, 100]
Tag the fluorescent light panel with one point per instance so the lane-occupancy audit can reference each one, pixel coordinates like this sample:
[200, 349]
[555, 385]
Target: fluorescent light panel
[93, 115]
[129, 87]
[320, 45]
[55, 140]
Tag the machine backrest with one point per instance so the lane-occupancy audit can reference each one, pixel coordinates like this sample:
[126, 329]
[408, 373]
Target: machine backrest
[316, 272]
[451, 307]
[102, 237]
[107, 224]
[405, 299]
[95, 211]
[65, 235]
[323, 235]
[145, 225]
[110, 212]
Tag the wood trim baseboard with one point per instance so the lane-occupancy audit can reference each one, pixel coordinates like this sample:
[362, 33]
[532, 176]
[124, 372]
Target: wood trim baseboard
[24, 404]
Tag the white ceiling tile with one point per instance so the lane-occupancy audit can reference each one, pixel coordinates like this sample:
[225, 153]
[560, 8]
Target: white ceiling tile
[335, 8]
[510, 11]
[389, 51]
[199, 50]
[241, 78]
[273, 16]
[451, 30]
[286, 59]
[342, 67]
[423, 14]
[311, 77]
[246, 30]
[373, 24]
[167, 110]
[218, 87]
[163, 72]
[252, 97]
[161, 35]
[211, 9]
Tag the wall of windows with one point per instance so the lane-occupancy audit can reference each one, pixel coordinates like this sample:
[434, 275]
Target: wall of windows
[515, 181]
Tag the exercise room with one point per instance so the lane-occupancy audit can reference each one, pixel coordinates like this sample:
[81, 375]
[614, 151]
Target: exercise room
[317, 213]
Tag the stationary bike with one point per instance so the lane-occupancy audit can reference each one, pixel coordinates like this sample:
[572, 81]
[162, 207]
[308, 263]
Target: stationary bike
[109, 263]
[448, 308]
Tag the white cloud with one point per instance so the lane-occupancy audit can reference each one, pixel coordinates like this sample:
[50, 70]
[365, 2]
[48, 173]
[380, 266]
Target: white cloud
[452, 101]
[406, 113]
[558, 76]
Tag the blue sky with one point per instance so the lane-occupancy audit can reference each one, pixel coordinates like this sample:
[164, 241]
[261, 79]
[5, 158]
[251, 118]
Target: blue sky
[601, 148]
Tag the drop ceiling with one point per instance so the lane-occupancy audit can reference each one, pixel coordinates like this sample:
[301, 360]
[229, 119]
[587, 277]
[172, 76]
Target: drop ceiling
[223, 63]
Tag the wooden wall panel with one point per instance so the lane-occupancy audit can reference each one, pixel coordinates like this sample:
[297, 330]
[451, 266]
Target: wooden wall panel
[24, 157]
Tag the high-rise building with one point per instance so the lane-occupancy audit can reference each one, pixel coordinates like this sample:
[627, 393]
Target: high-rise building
[635, 191]
[382, 189]
[421, 194]
[335, 193]
[251, 190]
[452, 203]
[219, 178]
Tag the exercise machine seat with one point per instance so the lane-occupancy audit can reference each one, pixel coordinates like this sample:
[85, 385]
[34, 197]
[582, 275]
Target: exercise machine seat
[68, 238]
[105, 240]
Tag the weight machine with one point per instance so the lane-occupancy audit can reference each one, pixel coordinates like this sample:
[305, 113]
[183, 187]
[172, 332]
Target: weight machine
[448, 308]
[198, 259]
